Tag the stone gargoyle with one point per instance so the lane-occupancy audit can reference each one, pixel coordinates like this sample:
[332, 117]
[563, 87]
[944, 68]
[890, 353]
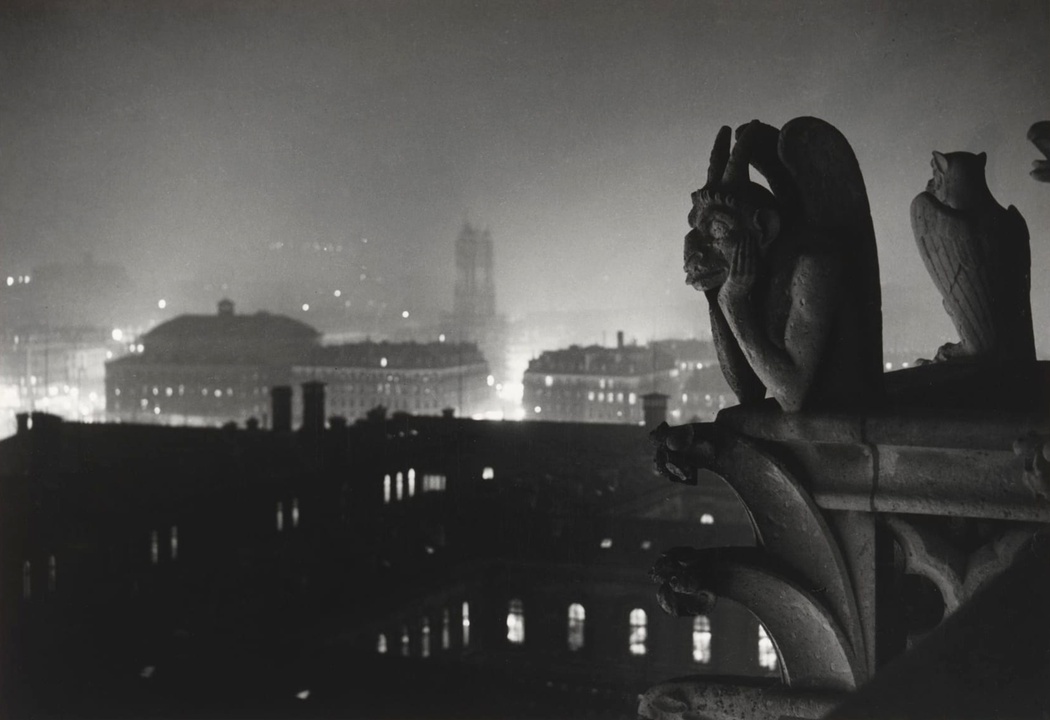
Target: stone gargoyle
[791, 273]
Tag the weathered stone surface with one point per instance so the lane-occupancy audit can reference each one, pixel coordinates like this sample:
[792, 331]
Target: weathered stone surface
[791, 276]
[728, 700]
[978, 255]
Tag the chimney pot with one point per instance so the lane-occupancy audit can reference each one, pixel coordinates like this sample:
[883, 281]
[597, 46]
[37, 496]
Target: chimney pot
[281, 402]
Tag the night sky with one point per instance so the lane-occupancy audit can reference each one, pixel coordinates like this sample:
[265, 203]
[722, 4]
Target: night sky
[184, 138]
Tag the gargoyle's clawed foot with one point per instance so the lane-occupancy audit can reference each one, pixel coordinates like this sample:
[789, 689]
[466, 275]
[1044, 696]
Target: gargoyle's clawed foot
[950, 352]
[1039, 135]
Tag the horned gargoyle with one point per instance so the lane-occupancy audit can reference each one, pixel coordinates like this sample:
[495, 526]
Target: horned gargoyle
[790, 274]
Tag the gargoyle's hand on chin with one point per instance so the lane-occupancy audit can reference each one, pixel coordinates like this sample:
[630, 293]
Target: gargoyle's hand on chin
[743, 272]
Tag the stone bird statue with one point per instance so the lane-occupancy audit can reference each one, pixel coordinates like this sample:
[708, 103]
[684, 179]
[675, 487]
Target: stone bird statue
[978, 255]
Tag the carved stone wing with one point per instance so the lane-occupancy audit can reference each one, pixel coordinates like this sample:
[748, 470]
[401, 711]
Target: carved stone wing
[833, 202]
[950, 247]
[827, 176]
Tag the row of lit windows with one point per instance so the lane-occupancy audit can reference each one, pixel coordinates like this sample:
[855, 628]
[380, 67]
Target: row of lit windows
[382, 645]
[403, 484]
[637, 639]
[181, 391]
[293, 519]
[27, 577]
[173, 545]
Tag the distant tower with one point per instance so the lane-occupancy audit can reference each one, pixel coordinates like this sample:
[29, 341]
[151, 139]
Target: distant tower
[474, 303]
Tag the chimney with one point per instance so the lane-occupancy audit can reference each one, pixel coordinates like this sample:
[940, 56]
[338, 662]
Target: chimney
[654, 405]
[24, 422]
[313, 406]
[226, 307]
[619, 339]
[281, 406]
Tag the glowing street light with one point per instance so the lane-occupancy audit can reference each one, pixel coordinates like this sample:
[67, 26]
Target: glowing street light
[162, 303]
[306, 307]
[117, 334]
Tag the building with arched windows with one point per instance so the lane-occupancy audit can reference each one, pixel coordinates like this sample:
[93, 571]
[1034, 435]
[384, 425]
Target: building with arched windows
[337, 560]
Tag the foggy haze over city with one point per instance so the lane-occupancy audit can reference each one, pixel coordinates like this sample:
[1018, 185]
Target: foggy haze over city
[275, 152]
[348, 365]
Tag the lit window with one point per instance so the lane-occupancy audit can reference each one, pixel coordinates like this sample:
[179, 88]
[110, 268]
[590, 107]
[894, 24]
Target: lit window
[424, 644]
[577, 615]
[280, 516]
[382, 362]
[639, 631]
[218, 392]
[295, 512]
[466, 624]
[156, 391]
[707, 519]
[590, 395]
[154, 548]
[404, 640]
[601, 383]
[27, 580]
[174, 542]
[767, 654]
[632, 399]
[606, 543]
[400, 486]
[701, 639]
[537, 409]
[646, 544]
[381, 644]
[411, 482]
[548, 381]
[601, 397]
[488, 473]
[516, 622]
[168, 392]
[52, 574]
[446, 630]
[386, 489]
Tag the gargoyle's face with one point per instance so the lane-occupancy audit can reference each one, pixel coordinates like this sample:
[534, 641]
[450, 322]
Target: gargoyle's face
[709, 247]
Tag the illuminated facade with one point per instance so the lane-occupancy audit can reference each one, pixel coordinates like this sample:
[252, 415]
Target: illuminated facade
[596, 384]
[207, 369]
[420, 378]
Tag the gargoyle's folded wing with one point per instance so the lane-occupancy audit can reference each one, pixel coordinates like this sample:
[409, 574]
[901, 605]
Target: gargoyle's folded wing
[950, 247]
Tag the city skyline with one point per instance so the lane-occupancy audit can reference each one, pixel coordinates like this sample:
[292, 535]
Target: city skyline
[196, 142]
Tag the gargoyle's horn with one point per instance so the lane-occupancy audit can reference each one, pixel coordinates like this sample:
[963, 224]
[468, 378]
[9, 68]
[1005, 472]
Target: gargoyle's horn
[719, 155]
[738, 169]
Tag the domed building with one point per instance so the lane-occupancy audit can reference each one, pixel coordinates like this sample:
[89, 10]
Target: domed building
[207, 369]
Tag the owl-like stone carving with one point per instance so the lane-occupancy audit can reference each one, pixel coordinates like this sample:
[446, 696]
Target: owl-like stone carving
[978, 255]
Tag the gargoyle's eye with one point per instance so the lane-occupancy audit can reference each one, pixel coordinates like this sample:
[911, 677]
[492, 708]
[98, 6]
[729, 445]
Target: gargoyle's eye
[719, 228]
